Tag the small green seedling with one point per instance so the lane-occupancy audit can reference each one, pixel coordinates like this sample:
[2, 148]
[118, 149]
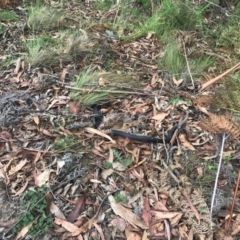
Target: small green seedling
[120, 198]
[108, 165]
[124, 161]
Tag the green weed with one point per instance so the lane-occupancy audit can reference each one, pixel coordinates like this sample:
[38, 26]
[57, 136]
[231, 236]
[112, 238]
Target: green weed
[66, 143]
[36, 213]
[120, 198]
[124, 161]
[227, 158]
[172, 60]
[107, 165]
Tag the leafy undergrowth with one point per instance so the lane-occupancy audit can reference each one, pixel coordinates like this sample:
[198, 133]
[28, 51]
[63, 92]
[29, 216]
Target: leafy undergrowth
[71, 73]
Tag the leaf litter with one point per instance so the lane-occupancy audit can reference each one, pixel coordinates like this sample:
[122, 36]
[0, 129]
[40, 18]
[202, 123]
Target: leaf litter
[49, 139]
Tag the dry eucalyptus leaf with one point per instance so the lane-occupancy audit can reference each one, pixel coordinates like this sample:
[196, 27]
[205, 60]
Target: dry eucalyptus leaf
[126, 214]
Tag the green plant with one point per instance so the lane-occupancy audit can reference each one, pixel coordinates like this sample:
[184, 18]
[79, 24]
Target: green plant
[172, 15]
[210, 165]
[175, 62]
[85, 78]
[88, 81]
[228, 34]
[41, 52]
[108, 165]
[120, 198]
[6, 16]
[227, 158]
[227, 95]
[36, 213]
[66, 143]
[103, 5]
[124, 161]
[174, 100]
[42, 17]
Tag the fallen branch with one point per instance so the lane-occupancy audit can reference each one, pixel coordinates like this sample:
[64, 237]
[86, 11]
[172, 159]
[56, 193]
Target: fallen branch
[207, 84]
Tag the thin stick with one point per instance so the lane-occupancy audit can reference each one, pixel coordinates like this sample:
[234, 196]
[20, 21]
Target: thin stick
[218, 172]
[188, 67]
[233, 202]
[107, 91]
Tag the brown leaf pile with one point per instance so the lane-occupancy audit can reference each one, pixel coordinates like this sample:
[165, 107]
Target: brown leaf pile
[220, 124]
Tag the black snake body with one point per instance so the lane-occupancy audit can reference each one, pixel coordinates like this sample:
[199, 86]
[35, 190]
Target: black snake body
[147, 139]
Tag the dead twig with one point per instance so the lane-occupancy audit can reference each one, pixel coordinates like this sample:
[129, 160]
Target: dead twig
[207, 84]
[233, 202]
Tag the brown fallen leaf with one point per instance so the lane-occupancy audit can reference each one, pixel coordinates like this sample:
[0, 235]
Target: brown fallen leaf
[21, 190]
[131, 235]
[74, 107]
[7, 223]
[24, 231]
[126, 214]
[18, 167]
[54, 209]
[185, 142]
[165, 215]
[119, 223]
[41, 178]
[86, 226]
[146, 215]
[177, 82]
[70, 227]
[92, 130]
[78, 209]
[99, 229]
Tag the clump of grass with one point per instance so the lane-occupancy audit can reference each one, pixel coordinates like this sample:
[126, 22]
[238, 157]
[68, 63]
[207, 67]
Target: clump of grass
[172, 60]
[41, 52]
[68, 46]
[6, 16]
[227, 95]
[93, 91]
[103, 5]
[42, 17]
[175, 62]
[229, 33]
[172, 15]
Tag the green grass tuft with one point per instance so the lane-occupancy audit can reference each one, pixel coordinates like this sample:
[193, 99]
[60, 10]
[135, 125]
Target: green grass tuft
[7, 16]
[172, 15]
[44, 18]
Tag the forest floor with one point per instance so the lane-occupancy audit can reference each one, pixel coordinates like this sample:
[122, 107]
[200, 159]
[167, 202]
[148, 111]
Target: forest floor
[71, 72]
